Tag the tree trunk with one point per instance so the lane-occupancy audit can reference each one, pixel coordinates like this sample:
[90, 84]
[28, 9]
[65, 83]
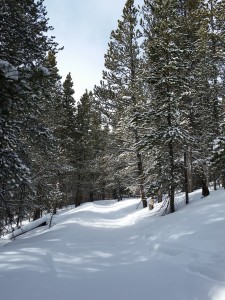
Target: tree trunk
[78, 193]
[214, 185]
[54, 209]
[103, 194]
[172, 187]
[77, 198]
[141, 180]
[91, 196]
[36, 213]
[189, 170]
[186, 178]
[171, 162]
[172, 196]
[223, 181]
[159, 196]
[140, 174]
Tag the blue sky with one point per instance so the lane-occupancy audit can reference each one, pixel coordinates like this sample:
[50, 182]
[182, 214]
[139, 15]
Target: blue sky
[83, 27]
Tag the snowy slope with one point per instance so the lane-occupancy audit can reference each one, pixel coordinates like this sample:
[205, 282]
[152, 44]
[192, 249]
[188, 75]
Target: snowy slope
[108, 250]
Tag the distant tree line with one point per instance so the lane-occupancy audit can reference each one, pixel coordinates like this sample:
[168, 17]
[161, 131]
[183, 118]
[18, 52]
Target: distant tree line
[152, 127]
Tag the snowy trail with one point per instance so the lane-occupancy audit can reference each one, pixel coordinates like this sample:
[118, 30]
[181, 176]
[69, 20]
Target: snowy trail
[108, 250]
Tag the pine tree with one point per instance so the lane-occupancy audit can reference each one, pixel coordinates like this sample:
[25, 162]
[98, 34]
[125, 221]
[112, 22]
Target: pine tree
[109, 181]
[166, 73]
[68, 138]
[45, 160]
[191, 19]
[123, 74]
[205, 89]
[68, 112]
[214, 51]
[23, 47]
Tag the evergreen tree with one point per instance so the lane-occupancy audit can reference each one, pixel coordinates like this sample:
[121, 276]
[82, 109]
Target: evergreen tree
[67, 123]
[215, 76]
[23, 47]
[68, 138]
[166, 73]
[205, 89]
[45, 160]
[88, 125]
[109, 181]
[123, 74]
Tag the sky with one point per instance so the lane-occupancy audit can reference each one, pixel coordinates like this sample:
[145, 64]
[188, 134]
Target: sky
[83, 27]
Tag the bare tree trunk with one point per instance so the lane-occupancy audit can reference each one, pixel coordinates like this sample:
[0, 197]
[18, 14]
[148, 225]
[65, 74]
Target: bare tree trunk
[159, 196]
[91, 196]
[36, 213]
[172, 197]
[54, 208]
[21, 201]
[214, 185]
[103, 194]
[141, 180]
[78, 193]
[223, 181]
[140, 174]
[206, 172]
[186, 178]
[189, 170]
[172, 166]
[77, 199]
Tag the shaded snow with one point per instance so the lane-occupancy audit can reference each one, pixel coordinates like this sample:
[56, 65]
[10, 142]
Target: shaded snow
[8, 70]
[109, 250]
[44, 70]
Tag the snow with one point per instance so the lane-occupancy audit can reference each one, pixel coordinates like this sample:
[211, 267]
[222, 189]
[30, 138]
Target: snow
[8, 70]
[44, 70]
[28, 227]
[109, 250]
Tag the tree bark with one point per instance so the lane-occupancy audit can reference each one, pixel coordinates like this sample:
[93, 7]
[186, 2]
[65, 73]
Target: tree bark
[186, 178]
[91, 196]
[214, 185]
[223, 181]
[140, 174]
[159, 196]
[189, 170]
[141, 180]
[172, 197]
[172, 188]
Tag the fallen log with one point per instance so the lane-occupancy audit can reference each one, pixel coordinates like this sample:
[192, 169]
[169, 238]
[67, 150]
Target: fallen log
[28, 227]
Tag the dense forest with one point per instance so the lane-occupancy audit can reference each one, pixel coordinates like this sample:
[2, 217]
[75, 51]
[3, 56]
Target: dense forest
[152, 127]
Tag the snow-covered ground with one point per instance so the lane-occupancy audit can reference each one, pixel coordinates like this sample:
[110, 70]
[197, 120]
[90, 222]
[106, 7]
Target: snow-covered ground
[109, 250]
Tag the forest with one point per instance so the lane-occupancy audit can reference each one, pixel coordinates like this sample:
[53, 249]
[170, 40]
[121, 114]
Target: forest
[152, 127]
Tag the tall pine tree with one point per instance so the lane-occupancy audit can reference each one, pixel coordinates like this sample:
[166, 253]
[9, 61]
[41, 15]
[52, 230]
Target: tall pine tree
[123, 74]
